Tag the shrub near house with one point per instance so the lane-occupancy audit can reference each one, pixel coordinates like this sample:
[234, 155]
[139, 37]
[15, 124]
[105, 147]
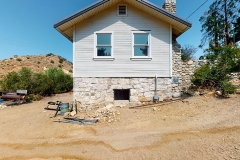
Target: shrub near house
[52, 81]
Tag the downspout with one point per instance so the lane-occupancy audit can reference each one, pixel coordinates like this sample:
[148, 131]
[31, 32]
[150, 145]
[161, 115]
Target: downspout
[155, 97]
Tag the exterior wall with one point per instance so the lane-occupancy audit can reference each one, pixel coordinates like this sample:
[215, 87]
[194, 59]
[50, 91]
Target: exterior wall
[95, 81]
[122, 65]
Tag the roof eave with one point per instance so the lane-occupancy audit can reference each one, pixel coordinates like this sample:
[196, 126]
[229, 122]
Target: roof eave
[69, 19]
[75, 15]
[165, 12]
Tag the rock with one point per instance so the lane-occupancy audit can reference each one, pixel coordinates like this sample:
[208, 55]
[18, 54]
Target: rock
[143, 99]
[66, 114]
[219, 93]
[109, 106]
[2, 106]
[154, 108]
[190, 62]
[193, 92]
[176, 95]
[73, 113]
[106, 115]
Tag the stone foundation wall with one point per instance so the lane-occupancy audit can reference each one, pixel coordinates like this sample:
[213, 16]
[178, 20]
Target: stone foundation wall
[99, 92]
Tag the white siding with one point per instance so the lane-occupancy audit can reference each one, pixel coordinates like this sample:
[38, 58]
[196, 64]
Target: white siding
[122, 66]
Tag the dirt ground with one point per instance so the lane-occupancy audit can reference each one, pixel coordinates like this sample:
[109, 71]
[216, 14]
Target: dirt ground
[201, 128]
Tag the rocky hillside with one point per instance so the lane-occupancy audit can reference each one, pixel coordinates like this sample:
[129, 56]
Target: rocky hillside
[38, 63]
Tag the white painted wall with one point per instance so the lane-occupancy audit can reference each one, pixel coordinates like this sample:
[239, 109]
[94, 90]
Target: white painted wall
[122, 65]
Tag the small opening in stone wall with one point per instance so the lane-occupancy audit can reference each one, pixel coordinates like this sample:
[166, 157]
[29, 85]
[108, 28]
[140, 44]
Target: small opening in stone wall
[121, 94]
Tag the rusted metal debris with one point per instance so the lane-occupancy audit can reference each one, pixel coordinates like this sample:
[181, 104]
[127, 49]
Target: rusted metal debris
[158, 104]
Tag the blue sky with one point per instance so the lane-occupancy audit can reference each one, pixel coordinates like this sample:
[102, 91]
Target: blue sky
[26, 26]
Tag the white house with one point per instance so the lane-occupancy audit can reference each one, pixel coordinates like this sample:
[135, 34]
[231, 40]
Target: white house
[119, 46]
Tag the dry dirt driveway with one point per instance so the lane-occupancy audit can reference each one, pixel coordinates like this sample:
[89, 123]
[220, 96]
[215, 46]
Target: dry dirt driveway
[199, 128]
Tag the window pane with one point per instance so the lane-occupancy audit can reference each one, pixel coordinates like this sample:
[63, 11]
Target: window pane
[140, 50]
[141, 38]
[104, 51]
[103, 39]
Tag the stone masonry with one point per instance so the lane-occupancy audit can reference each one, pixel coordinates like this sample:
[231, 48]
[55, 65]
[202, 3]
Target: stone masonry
[99, 92]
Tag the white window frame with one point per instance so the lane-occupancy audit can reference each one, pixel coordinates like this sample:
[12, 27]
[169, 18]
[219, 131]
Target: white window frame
[96, 57]
[146, 58]
[118, 10]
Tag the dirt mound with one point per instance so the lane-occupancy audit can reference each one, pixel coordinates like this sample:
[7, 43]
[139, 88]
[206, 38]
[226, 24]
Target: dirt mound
[37, 63]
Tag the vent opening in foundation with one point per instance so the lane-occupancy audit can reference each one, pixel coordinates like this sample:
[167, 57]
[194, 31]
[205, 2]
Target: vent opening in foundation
[121, 94]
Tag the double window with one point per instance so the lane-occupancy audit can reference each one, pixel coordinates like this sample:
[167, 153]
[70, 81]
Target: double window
[141, 44]
[103, 45]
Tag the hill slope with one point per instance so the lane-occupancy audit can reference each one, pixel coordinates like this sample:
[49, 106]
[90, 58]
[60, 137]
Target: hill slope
[38, 63]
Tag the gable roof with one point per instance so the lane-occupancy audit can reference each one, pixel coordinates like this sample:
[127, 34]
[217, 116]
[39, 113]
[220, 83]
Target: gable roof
[65, 26]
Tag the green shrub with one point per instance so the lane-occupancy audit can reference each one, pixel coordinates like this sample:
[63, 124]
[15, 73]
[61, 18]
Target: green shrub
[38, 62]
[41, 84]
[61, 82]
[29, 98]
[19, 59]
[10, 82]
[52, 61]
[60, 60]
[227, 88]
[200, 75]
[52, 81]
[71, 71]
[223, 60]
[50, 54]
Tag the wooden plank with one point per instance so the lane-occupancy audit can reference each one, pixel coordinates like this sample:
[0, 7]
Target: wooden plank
[156, 104]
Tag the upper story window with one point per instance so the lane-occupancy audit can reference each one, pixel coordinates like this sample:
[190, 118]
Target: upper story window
[141, 44]
[103, 45]
[122, 10]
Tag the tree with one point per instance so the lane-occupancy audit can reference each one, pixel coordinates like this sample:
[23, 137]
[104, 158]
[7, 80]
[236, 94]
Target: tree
[236, 34]
[217, 23]
[188, 52]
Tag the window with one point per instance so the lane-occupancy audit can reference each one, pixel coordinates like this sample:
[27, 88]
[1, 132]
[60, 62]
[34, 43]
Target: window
[121, 94]
[141, 44]
[122, 10]
[103, 45]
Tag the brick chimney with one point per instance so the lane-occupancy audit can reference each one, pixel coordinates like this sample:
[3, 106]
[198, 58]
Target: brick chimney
[170, 5]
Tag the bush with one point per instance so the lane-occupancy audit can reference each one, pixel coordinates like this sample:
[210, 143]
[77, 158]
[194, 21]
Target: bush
[10, 82]
[52, 61]
[50, 54]
[19, 59]
[29, 98]
[200, 75]
[61, 82]
[60, 60]
[52, 81]
[223, 60]
[41, 84]
[227, 88]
